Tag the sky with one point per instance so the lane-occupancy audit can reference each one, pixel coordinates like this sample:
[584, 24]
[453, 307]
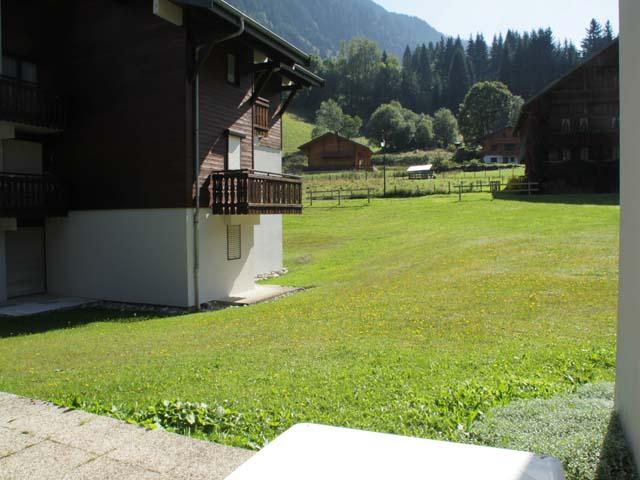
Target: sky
[567, 18]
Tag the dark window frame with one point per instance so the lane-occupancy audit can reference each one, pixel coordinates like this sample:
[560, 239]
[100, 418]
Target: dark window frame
[19, 68]
[236, 69]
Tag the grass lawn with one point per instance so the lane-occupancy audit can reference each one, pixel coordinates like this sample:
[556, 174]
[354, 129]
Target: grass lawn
[422, 314]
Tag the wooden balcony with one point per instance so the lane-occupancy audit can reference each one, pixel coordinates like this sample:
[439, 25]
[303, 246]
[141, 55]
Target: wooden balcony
[27, 103]
[250, 192]
[31, 196]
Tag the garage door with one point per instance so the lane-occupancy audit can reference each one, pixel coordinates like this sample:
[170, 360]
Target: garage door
[25, 261]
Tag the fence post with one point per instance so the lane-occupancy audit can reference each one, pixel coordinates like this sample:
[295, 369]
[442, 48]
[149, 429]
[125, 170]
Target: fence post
[339, 192]
[529, 187]
[449, 188]
[310, 198]
[368, 195]
[460, 192]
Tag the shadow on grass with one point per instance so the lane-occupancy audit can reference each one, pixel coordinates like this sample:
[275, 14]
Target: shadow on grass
[567, 199]
[616, 460]
[45, 322]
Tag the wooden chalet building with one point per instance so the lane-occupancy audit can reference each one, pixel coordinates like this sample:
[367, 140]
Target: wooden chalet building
[501, 146]
[330, 152]
[569, 132]
[113, 114]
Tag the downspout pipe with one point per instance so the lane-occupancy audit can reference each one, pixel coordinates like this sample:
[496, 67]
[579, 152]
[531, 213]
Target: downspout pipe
[197, 64]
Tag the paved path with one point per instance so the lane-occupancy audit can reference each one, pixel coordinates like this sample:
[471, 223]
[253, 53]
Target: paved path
[41, 441]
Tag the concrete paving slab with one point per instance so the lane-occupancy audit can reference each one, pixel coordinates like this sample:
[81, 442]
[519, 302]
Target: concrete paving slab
[258, 294]
[49, 422]
[213, 464]
[165, 452]
[14, 408]
[46, 460]
[41, 441]
[107, 469]
[98, 435]
[34, 304]
[12, 441]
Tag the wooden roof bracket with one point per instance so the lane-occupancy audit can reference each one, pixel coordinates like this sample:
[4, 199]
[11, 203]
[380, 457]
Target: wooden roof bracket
[283, 107]
[261, 83]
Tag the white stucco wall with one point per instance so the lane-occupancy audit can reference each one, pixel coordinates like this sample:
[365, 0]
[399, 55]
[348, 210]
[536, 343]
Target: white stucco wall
[267, 254]
[221, 278]
[135, 256]
[628, 362]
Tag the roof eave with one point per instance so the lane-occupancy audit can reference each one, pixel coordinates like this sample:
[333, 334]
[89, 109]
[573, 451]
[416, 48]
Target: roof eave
[252, 28]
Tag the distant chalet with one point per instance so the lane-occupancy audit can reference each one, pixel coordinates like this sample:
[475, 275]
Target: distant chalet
[570, 131]
[501, 146]
[330, 152]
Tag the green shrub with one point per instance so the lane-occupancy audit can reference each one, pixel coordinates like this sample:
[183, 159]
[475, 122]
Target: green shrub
[580, 429]
[294, 163]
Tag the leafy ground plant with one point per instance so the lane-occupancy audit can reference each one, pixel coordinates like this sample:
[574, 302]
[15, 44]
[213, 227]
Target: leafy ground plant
[581, 429]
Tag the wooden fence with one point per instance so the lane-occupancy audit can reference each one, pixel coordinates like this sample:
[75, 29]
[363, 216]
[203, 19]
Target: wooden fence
[497, 189]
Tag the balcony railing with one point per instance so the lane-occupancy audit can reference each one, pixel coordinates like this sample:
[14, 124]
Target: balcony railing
[31, 195]
[27, 103]
[250, 192]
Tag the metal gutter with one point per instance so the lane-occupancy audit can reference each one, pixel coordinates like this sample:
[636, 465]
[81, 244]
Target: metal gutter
[198, 62]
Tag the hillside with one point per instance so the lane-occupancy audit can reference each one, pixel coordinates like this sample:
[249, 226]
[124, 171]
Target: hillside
[318, 26]
[295, 132]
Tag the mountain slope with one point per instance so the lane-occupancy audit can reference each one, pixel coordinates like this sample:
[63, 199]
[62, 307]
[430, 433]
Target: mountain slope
[318, 26]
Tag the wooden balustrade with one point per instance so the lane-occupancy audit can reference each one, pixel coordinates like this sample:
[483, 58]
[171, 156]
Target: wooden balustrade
[27, 103]
[31, 195]
[250, 192]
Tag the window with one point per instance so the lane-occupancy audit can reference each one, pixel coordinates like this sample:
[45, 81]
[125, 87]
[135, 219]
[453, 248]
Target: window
[234, 242]
[614, 123]
[584, 124]
[232, 69]
[584, 154]
[553, 156]
[566, 125]
[494, 159]
[9, 67]
[234, 152]
[566, 155]
[18, 69]
[29, 72]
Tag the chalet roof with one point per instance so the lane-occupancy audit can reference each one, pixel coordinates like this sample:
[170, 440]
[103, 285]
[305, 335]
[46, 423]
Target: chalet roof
[252, 28]
[495, 132]
[552, 85]
[330, 134]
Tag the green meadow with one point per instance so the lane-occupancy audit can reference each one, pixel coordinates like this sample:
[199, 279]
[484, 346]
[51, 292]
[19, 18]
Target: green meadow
[419, 316]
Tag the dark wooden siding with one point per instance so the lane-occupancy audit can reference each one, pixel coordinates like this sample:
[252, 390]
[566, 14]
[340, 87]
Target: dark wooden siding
[127, 141]
[579, 114]
[224, 107]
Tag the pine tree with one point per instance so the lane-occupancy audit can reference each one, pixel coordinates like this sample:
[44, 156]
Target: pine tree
[458, 81]
[608, 32]
[593, 41]
[495, 58]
